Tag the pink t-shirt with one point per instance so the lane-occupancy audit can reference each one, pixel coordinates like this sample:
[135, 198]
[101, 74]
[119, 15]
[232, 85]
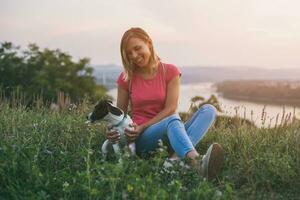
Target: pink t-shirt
[148, 96]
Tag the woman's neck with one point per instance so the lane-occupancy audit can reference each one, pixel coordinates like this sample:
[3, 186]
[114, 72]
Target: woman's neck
[148, 70]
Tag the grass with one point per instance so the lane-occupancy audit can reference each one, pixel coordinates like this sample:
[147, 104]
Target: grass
[55, 155]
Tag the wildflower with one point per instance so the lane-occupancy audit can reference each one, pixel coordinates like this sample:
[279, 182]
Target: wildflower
[129, 188]
[218, 193]
[35, 125]
[66, 184]
[124, 195]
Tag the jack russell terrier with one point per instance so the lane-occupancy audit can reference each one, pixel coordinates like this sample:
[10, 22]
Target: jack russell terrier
[116, 119]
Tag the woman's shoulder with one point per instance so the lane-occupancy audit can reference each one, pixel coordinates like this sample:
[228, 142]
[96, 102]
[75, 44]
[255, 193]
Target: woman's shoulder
[122, 82]
[171, 70]
[122, 77]
[169, 66]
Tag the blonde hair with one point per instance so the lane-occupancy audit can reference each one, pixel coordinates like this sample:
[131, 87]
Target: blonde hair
[136, 32]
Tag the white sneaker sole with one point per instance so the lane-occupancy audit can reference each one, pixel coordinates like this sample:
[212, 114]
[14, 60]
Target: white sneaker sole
[216, 155]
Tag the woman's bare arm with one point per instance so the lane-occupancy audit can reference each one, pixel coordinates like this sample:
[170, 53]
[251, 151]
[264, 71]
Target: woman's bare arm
[170, 104]
[122, 99]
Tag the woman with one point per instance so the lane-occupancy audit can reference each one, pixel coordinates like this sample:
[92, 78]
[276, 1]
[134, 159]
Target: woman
[152, 90]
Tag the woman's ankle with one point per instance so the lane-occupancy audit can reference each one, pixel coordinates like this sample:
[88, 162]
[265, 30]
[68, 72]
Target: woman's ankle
[174, 157]
[193, 154]
[192, 158]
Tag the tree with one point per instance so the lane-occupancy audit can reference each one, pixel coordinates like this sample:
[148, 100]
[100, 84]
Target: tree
[46, 73]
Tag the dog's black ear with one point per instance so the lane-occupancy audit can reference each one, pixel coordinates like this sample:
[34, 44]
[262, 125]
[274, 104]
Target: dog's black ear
[100, 110]
[114, 110]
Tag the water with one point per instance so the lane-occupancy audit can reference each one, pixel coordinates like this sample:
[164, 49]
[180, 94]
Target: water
[245, 109]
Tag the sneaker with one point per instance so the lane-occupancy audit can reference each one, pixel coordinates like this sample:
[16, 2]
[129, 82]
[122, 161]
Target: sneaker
[212, 161]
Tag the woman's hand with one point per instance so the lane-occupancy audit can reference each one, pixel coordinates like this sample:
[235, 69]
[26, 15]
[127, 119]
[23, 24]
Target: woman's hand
[134, 133]
[113, 136]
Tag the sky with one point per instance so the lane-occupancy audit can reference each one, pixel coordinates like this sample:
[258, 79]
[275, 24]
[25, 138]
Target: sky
[233, 33]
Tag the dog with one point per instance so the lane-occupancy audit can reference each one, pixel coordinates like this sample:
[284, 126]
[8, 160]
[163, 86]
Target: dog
[116, 119]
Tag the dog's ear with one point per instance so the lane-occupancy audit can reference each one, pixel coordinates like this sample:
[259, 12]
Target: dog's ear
[100, 110]
[114, 110]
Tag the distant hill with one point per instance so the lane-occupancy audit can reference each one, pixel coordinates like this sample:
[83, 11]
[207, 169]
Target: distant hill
[217, 74]
[108, 74]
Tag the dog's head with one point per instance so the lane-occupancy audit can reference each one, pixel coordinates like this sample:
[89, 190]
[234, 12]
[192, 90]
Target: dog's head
[102, 109]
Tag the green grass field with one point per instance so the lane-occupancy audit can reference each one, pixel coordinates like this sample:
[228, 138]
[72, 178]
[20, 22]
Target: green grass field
[55, 155]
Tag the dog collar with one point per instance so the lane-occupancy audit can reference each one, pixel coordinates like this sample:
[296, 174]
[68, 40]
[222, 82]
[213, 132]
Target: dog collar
[113, 119]
[121, 122]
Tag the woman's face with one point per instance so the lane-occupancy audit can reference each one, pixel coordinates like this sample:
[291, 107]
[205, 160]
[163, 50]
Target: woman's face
[138, 52]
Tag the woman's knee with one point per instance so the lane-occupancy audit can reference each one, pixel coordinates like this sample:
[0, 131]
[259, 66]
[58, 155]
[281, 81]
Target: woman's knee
[175, 122]
[209, 111]
[172, 117]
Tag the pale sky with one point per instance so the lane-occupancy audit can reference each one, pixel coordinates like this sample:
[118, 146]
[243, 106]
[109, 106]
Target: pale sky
[258, 33]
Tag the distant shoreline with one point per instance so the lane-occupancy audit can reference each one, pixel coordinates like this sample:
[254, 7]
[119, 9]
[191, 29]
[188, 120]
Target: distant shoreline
[271, 92]
[281, 101]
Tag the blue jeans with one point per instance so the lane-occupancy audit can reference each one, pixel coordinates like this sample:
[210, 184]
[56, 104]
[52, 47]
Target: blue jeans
[182, 137]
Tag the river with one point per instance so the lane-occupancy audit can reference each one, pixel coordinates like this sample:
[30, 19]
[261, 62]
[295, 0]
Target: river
[245, 109]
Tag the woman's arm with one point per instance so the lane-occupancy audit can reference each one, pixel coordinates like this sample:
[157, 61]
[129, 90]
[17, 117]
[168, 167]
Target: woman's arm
[122, 99]
[170, 104]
